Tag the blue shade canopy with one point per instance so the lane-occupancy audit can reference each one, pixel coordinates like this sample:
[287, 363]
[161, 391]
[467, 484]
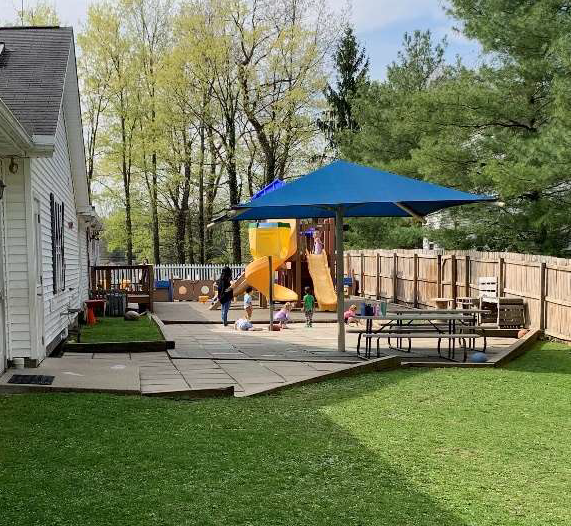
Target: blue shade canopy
[274, 185]
[360, 190]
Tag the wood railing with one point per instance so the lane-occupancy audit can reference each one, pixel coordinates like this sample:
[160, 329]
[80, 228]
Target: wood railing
[137, 281]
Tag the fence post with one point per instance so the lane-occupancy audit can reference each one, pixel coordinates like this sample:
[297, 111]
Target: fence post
[362, 283]
[542, 295]
[395, 277]
[415, 281]
[500, 277]
[378, 281]
[439, 275]
[454, 277]
[467, 277]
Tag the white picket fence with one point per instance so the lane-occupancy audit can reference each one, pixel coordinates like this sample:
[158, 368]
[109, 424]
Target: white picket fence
[195, 272]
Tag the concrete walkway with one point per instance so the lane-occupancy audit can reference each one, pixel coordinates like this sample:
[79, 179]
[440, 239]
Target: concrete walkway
[156, 374]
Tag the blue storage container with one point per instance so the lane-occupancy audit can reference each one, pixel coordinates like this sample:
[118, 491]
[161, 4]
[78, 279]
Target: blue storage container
[164, 284]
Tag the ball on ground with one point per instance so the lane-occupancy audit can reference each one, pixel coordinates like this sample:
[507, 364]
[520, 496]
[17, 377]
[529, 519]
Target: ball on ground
[478, 357]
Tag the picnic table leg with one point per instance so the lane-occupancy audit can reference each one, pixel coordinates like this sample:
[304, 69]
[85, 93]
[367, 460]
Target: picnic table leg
[370, 341]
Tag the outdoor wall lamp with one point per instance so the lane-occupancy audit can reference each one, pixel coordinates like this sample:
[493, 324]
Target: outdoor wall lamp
[2, 186]
[13, 167]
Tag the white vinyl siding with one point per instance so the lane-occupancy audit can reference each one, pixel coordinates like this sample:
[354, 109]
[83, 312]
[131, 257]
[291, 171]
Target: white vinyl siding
[53, 175]
[17, 264]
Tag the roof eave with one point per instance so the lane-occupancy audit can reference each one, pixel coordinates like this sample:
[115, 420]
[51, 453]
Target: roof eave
[14, 130]
[24, 145]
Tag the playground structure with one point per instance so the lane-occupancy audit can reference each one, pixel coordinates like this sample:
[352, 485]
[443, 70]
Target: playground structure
[297, 267]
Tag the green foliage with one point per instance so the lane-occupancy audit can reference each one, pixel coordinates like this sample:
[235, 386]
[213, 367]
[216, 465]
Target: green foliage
[43, 13]
[441, 447]
[500, 129]
[351, 68]
[370, 233]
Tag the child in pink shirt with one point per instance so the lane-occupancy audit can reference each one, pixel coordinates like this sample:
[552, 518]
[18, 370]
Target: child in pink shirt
[350, 314]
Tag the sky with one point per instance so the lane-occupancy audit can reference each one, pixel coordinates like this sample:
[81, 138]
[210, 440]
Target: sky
[379, 25]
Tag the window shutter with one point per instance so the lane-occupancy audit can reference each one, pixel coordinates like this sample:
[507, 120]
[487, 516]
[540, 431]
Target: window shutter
[62, 284]
[54, 242]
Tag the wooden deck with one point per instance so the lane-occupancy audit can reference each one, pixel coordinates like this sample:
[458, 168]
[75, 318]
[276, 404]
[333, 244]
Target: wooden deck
[136, 281]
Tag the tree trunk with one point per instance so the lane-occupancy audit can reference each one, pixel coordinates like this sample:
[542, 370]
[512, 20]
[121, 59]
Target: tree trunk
[201, 223]
[267, 149]
[190, 239]
[127, 190]
[154, 212]
[211, 191]
[180, 220]
[182, 210]
[128, 225]
[233, 187]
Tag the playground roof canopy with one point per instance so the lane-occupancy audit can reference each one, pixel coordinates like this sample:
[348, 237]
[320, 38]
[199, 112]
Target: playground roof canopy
[361, 192]
[342, 189]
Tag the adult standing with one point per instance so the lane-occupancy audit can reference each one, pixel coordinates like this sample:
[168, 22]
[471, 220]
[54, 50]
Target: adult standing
[225, 293]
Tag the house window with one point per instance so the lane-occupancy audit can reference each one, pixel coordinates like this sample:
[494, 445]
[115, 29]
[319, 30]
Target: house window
[58, 254]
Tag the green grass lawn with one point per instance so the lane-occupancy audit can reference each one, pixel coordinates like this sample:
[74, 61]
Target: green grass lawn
[441, 447]
[118, 330]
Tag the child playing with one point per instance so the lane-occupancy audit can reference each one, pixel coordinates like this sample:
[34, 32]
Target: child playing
[350, 314]
[317, 243]
[308, 306]
[282, 316]
[242, 324]
[248, 307]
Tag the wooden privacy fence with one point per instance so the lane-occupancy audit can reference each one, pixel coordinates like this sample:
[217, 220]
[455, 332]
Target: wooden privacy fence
[195, 272]
[416, 277]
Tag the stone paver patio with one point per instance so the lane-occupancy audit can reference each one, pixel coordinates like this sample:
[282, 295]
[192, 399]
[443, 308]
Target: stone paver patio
[210, 359]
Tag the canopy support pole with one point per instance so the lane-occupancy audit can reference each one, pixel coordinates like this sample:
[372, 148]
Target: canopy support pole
[339, 274]
[271, 295]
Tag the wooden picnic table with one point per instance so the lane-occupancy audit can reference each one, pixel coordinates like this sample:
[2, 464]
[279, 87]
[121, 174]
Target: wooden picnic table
[447, 328]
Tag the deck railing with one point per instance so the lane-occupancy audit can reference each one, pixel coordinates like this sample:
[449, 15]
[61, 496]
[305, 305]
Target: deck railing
[136, 280]
[195, 272]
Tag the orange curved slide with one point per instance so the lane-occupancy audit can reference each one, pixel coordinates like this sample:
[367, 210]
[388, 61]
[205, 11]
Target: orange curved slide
[322, 282]
[257, 272]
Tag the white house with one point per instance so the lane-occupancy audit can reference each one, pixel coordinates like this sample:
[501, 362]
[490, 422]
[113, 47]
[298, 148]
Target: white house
[46, 219]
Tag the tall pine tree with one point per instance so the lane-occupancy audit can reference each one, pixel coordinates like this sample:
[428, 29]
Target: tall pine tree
[352, 69]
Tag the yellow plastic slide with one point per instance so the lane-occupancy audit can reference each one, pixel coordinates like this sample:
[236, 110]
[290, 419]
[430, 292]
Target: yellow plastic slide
[322, 282]
[257, 272]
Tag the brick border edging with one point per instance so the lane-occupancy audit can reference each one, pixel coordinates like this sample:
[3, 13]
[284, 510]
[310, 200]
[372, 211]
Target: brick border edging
[378, 364]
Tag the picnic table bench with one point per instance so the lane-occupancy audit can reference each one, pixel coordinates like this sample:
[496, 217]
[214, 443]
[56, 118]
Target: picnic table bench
[441, 324]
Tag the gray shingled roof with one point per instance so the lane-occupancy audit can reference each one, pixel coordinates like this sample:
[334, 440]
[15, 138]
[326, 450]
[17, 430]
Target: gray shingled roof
[32, 74]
